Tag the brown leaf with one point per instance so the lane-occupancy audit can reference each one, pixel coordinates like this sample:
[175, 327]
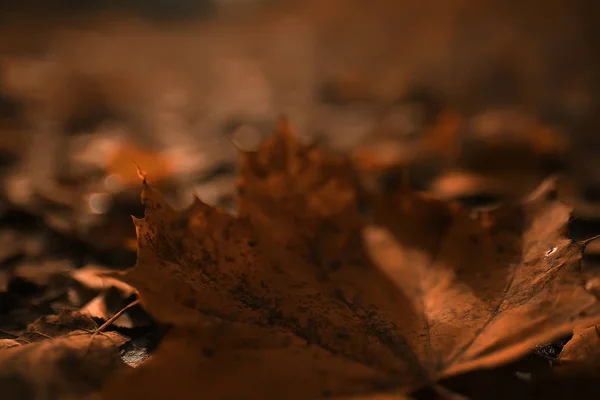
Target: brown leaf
[488, 287]
[498, 153]
[581, 354]
[46, 273]
[121, 162]
[233, 360]
[423, 291]
[439, 144]
[101, 296]
[66, 367]
[456, 184]
[8, 343]
[96, 278]
[30, 289]
[52, 326]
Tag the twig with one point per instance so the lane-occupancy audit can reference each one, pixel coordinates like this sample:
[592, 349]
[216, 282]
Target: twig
[2, 331]
[108, 323]
[115, 317]
[41, 334]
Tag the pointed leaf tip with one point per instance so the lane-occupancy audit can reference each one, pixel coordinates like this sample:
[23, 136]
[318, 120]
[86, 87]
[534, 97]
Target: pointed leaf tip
[583, 243]
[141, 173]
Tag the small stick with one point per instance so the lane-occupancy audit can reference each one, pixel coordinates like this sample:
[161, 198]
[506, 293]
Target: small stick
[108, 323]
[114, 317]
[41, 334]
[2, 331]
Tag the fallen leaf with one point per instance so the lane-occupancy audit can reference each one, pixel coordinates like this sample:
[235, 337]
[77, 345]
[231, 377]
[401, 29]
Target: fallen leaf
[497, 135]
[102, 296]
[489, 286]
[460, 156]
[421, 290]
[8, 343]
[66, 367]
[439, 144]
[233, 360]
[457, 184]
[52, 326]
[91, 283]
[121, 162]
[581, 354]
[32, 289]
[42, 274]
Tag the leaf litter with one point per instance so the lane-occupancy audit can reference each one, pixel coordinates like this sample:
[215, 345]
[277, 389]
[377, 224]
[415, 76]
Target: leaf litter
[321, 286]
[47, 318]
[57, 358]
[89, 203]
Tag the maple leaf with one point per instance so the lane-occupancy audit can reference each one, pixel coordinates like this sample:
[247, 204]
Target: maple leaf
[120, 161]
[490, 286]
[233, 360]
[419, 290]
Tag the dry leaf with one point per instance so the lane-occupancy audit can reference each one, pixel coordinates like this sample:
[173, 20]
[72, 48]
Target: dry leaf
[95, 277]
[424, 290]
[582, 353]
[122, 161]
[53, 326]
[233, 360]
[101, 296]
[439, 144]
[457, 183]
[488, 286]
[48, 273]
[8, 343]
[458, 156]
[31, 289]
[67, 367]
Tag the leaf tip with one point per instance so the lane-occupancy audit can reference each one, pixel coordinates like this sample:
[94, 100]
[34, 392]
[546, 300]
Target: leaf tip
[141, 174]
[137, 221]
[583, 243]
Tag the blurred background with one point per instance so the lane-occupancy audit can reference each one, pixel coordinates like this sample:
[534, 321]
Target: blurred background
[476, 101]
[473, 100]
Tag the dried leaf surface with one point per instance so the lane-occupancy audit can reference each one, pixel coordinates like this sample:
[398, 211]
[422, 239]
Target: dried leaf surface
[233, 360]
[66, 367]
[101, 296]
[420, 290]
[488, 286]
[581, 353]
[53, 326]
[122, 160]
